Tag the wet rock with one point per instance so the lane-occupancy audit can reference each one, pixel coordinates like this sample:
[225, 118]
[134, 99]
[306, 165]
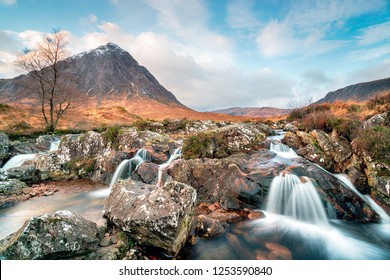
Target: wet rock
[292, 140]
[359, 180]
[58, 236]
[219, 180]
[105, 241]
[11, 186]
[146, 172]
[278, 252]
[25, 173]
[158, 217]
[334, 193]
[44, 141]
[208, 227]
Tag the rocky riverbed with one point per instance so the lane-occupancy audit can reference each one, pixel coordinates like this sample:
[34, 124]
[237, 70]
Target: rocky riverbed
[222, 179]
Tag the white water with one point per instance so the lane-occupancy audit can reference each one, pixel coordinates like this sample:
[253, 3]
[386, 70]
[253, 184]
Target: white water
[282, 150]
[127, 166]
[385, 218]
[296, 197]
[54, 145]
[18, 160]
[176, 154]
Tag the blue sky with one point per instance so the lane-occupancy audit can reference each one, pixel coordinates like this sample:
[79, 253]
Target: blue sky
[221, 53]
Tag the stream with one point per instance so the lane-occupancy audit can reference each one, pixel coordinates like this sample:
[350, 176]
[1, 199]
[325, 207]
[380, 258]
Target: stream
[299, 223]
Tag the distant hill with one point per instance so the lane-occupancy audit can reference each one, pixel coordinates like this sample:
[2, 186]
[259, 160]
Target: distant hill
[254, 111]
[358, 92]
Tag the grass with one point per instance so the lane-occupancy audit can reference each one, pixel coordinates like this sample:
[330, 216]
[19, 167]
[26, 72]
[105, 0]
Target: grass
[375, 141]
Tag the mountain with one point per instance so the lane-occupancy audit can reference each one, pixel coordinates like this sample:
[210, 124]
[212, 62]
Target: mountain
[254, 111]
[358, 92]
[113, 89]
[105, 73]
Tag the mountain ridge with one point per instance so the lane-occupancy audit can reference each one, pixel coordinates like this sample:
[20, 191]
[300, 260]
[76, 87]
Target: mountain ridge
[357, 92]
[107, 72]
[253, 111]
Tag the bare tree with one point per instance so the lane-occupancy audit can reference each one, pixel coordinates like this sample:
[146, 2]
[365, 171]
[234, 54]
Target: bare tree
[297, 104]
[47, 80]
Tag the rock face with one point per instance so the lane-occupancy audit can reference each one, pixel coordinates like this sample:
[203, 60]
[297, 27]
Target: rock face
[157, 217]
[222, 181]
[4, 147]
[225, 141]
[379, 119]
[58, 236]
[330, 151]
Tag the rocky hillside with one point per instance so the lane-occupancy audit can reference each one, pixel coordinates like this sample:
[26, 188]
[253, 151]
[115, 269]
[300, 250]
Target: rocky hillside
[358, 92]
[105, 73]
[262, 112]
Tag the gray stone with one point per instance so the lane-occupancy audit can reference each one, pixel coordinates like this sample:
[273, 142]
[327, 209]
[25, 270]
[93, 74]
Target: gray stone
[4, 146]
[158, 217]
[58, 236]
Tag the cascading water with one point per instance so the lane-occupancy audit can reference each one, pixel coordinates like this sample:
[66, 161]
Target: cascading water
[385, 218]
[296, 197]
[18, 160]
[128, 166]
[176, 154]
[54, 145]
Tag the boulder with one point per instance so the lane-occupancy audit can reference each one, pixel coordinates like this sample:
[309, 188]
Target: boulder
[146, 172]
[157, 217]
[290, 127]
[61, 235]
[25, 173]
[220, 180]
[4, 147]
[11, 186]
[225, 141]
[379, 119]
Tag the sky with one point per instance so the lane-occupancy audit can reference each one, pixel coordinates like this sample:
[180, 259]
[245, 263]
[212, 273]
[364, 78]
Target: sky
[214, 54]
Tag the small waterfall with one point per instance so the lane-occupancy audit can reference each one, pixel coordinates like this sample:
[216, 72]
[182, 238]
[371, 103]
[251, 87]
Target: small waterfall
[282, 149]
[54, 145]
[296, 197]
[366, 198]
[128, 166]
[18, 160]
[176, 154]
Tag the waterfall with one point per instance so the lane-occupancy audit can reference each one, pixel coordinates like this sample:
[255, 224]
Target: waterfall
[54, 145]
[296, 197]
[366, 198]
[282, 149]
[128, 166]
[18, 160]
[176, 154]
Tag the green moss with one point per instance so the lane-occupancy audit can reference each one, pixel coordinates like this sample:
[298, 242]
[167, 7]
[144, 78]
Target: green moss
[110, 135]
[77, 164]
[206, 145]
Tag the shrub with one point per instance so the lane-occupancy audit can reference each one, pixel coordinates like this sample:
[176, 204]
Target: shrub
[354, 108]
[19, 126]
[210, 145]
[175, 125]
[375, 141]
[318, 120]
[143, 125]
[111, 134]
[378, 101]
[301, 113]
[347, 128]
[4, 107]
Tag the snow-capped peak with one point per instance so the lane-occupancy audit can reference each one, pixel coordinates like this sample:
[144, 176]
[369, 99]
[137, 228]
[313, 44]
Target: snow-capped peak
[103, 49]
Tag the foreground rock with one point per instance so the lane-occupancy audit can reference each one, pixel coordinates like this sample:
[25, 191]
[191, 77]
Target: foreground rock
[157, 217]
[58, 236]
[4, 147]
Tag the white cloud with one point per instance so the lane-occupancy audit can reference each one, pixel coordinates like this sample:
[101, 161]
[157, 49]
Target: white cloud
[8, 2]
[374, 34]
[370, 53]
[240, 14]
[305, 28]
